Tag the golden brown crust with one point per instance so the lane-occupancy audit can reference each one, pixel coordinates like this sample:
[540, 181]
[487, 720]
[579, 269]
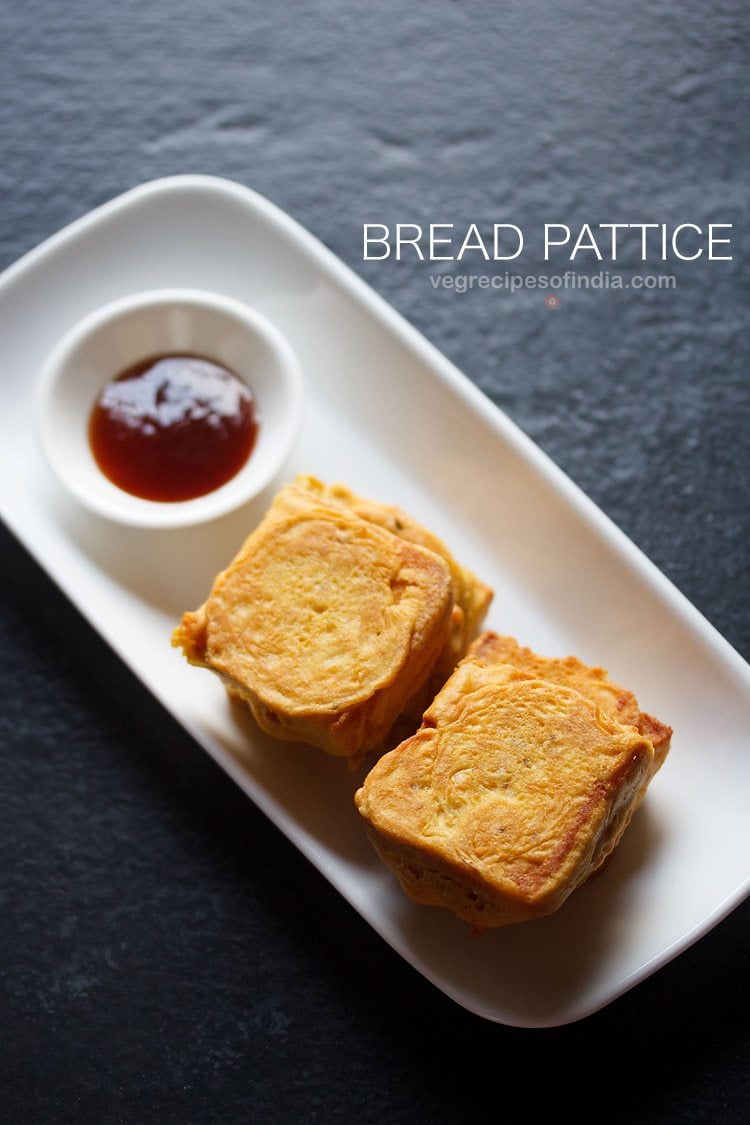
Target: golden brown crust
[325, 623]
[593, 682]
[659, 734]
[511, 794]
[471, 596]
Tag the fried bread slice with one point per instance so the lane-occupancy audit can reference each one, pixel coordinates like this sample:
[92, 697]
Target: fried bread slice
[593, 682]
[325, 623]
[471, 596]
[510, 795]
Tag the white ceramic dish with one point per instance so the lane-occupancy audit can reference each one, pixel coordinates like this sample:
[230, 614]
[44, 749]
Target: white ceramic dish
[157, 322]
[468, 473]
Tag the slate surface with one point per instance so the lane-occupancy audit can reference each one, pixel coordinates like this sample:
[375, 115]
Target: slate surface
[167, 956]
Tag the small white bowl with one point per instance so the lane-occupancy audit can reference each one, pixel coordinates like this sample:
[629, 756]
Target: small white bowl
[160, 322]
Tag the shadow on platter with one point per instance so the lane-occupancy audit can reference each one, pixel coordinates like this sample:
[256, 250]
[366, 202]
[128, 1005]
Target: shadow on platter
[538, 973]
[312, 789]
[548, 971]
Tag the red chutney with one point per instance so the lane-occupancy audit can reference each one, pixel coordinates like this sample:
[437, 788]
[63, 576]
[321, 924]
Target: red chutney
[173, 427]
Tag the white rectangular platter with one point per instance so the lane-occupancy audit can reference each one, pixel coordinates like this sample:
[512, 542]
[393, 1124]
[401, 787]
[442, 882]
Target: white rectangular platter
[391, 417]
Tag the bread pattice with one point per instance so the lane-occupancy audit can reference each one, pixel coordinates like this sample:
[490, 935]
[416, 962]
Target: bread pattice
[326, 623]
[514, 790]
[592, 681]
[471, 596]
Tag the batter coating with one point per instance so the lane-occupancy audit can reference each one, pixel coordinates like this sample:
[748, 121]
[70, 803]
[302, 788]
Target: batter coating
[510, 795]
[593, 682]
[325, 623]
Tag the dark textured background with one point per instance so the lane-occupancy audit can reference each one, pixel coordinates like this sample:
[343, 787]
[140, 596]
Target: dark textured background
[166, 954]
